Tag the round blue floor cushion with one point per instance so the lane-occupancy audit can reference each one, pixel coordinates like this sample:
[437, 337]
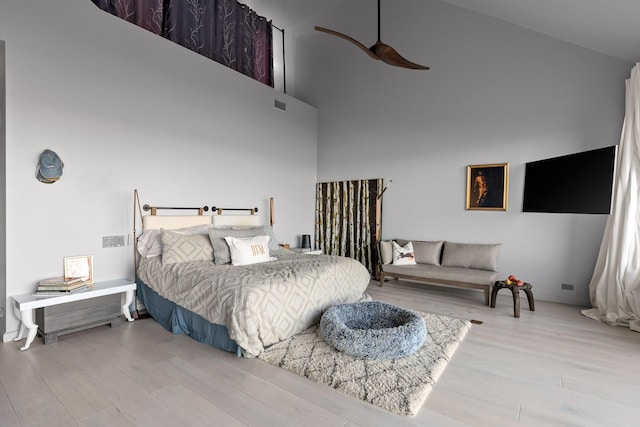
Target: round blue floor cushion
[373, 330]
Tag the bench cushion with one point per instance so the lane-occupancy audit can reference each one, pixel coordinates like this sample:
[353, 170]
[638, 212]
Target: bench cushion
[424, 271]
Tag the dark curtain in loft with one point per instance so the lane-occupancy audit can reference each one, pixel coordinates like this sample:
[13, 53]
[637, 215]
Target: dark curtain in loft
[223, 30]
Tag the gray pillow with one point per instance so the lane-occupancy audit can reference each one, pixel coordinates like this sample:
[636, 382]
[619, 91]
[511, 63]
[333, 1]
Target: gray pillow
[221, 254]
[386, 252]
[427, 252]
[273, 243]
[261, 230]
[402, 242]
[478, 256]
[178, 247]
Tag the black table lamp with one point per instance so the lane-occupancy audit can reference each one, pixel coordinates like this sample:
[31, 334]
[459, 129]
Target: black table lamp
[306, 241]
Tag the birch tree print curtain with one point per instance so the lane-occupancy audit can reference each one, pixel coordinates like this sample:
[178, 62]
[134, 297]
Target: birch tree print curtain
[347, 218]
[223, 30]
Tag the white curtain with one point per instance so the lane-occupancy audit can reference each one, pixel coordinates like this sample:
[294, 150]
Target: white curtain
[615, 286]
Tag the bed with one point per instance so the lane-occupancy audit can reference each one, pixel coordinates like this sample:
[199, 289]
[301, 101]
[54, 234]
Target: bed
[187, 284]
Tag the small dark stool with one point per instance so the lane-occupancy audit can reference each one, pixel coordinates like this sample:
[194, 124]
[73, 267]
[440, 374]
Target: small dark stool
[515, 290]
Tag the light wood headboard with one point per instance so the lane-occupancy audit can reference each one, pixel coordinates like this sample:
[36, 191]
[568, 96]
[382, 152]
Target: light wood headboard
[230, 220]
[172, 222]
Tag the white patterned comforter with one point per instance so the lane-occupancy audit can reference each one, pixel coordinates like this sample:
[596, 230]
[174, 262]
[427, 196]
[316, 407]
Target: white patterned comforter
[260, 304]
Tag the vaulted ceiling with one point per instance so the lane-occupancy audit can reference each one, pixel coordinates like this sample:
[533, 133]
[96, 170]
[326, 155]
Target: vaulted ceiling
[611, 27]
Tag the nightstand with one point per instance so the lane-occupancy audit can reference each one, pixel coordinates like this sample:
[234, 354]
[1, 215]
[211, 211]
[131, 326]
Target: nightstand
[58, 315]
[307, 251]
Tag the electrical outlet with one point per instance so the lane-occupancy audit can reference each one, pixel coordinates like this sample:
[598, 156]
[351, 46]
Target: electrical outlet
[281, 105]
[567, 287]
[112, 241]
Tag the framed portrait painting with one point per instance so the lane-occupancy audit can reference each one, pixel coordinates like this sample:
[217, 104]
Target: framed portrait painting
[487, 187]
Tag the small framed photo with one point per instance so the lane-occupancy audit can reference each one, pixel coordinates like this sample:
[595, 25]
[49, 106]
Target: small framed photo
[487, 187]
[79, 266]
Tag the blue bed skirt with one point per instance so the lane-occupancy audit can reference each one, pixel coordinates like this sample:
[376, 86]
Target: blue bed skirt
[178, 320]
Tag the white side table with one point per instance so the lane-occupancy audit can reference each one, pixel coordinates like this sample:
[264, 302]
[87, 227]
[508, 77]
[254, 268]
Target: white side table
[26, 304]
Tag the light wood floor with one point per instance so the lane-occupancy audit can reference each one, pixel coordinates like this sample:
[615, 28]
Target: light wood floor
[550, 367]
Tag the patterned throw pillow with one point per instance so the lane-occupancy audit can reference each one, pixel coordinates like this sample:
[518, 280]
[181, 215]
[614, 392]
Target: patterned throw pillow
[248, 250]
[150, 242]
[178, 247]
[403, 255]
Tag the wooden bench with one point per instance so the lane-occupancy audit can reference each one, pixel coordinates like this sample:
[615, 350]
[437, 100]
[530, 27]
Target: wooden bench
[460, 265]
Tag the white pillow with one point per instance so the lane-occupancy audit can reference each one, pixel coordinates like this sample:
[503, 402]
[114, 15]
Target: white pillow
[403, 255]
[248, 250]
[150, 244]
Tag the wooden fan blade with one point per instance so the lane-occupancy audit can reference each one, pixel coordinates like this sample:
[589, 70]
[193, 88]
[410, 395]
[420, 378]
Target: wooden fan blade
[389, 55]
[352, 40]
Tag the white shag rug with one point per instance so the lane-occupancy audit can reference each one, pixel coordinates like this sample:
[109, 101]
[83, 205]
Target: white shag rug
[396, 385]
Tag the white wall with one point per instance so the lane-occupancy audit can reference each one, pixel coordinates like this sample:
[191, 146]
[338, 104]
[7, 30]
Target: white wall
[3, 216]
[126, 109]
[495, 93]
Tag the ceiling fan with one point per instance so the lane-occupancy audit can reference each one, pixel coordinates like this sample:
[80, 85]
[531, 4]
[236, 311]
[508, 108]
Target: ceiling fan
[379, 50]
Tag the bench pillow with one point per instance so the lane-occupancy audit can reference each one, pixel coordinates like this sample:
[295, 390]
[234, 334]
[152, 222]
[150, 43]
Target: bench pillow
[425, 252]
[386, 252]
[478, 256]
[403, 255]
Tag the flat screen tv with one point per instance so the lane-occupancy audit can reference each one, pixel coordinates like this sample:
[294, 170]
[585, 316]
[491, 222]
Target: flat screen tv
[576, 183]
